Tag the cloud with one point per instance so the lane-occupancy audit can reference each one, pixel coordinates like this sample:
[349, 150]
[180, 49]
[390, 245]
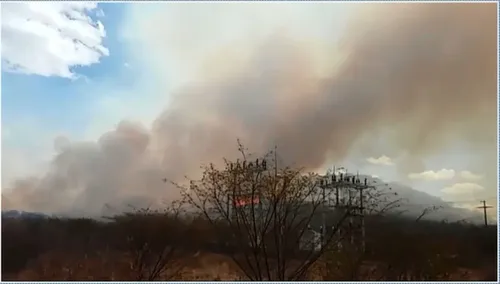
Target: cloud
[50, 38]
[467, 175]
[100, 13]
[443, 174]
[382, 160]
[466, 189]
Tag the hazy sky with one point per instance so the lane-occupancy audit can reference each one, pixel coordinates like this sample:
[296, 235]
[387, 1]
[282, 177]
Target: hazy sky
[406, 92]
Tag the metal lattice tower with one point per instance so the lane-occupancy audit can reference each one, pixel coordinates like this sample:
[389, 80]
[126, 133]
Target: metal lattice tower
[344, 192]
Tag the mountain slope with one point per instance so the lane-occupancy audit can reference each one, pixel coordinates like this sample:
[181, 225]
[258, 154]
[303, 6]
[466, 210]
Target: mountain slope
[414, 202]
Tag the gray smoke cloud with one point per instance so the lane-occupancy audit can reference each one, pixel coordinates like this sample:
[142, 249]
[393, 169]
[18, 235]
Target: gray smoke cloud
[416, 78]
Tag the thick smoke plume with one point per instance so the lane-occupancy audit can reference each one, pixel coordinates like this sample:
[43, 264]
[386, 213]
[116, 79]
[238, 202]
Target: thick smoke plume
[415, 79]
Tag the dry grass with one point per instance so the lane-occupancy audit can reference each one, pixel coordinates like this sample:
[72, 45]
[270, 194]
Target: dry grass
[116, 267]
[201, 266]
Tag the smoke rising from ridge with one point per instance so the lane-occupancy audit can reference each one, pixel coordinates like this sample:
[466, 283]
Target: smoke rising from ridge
[418, 77]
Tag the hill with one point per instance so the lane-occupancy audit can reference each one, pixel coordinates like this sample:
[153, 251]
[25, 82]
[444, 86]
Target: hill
[414, 202]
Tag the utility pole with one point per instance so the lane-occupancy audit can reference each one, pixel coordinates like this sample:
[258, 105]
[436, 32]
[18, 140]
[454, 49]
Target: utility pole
[323, 218]
[484, 207]
[360, 187]
[362, 209]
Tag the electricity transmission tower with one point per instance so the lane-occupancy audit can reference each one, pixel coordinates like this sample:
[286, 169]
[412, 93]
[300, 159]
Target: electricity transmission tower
[348, 191]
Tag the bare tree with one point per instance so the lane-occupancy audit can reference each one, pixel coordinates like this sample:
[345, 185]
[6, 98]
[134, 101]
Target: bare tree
[152, 239]
[265, 214]
[428, 210]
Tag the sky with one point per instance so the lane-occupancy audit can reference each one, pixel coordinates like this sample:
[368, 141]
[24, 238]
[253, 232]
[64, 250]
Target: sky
[72, 72]
[63, 88]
